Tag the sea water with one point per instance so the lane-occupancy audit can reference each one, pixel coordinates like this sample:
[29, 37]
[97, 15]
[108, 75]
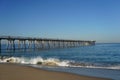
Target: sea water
[100, 60]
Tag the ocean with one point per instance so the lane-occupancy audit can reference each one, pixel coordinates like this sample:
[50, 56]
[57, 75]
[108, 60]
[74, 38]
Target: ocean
[99, 60]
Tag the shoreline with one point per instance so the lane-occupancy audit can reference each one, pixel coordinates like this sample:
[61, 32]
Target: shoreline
[9, 71]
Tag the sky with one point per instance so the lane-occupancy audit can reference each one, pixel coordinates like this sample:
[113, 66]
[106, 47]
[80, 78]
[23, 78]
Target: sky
[62, 19]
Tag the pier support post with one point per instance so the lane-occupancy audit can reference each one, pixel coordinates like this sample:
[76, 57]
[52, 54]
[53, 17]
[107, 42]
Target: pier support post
[43, 44]
[14, 45]
[53, 43]
[9, 46]
[24, 42]
[38, 44]
[49, 44]
[59, 44]
[0, 47]
[18, 44]
[30, 44]
[34, 44]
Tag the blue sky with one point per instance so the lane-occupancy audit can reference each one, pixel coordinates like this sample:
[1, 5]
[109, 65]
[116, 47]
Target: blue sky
[67, 19]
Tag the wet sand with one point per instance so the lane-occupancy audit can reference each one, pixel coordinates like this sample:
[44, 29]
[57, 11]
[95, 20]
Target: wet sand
[19, 72]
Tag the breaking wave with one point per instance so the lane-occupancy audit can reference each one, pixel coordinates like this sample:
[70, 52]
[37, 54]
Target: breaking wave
[52, 62]
[37, 60]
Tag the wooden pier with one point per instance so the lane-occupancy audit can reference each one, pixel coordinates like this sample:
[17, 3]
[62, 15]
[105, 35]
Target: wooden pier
[14, 43]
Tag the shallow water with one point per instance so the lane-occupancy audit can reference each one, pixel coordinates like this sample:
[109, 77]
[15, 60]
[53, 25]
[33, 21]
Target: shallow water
[104, 73]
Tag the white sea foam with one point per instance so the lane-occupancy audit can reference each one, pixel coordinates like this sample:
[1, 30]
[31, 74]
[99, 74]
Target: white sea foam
[36, 60]
[52, 62]
[98, 67]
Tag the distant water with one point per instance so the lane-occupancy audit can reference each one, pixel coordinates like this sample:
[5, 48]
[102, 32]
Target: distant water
[85, 60]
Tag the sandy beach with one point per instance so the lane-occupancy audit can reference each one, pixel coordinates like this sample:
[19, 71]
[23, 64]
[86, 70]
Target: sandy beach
[18, 72]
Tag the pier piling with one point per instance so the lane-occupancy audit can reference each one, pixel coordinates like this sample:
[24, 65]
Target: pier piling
[14, 43]
[0, 46]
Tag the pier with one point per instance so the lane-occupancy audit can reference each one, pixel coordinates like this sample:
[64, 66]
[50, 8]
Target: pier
[14, 43]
